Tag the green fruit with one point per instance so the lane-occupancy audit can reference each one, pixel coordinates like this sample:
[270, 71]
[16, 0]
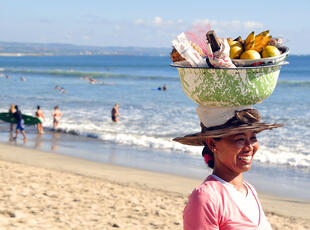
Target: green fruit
[270, 51]
[250, 54]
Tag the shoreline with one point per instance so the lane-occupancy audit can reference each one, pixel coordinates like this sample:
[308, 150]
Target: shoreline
[280, 211]
[291, 183]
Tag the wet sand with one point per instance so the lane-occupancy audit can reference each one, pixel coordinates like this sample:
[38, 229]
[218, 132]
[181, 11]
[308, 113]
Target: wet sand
[41, 190]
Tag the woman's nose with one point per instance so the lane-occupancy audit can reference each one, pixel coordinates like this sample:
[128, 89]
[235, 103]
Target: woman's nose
[249, 145]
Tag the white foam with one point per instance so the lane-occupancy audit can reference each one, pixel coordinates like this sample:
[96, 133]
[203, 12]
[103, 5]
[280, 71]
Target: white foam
[282, 156]
[154, 136]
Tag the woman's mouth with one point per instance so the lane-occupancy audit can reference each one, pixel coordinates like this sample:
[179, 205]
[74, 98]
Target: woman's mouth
[247, 158]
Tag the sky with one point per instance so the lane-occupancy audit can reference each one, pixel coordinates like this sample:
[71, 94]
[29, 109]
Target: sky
[156, 23]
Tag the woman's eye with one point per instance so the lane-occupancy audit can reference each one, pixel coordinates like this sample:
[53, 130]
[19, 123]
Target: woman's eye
[240, 140]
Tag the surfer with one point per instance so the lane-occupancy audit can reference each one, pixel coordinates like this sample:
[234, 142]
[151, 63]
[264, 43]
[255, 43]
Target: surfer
[20, 123]
[57, 114]
[12, 111]
[115, 113]
[164, 87]
[92, 81]
[40, 116]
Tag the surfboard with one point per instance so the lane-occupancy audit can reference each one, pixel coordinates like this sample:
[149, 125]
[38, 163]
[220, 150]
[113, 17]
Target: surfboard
[28, 120]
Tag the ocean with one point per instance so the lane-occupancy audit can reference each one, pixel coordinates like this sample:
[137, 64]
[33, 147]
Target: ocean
[151, 118]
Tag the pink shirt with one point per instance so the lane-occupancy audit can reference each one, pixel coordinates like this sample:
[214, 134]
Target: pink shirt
[210, 206]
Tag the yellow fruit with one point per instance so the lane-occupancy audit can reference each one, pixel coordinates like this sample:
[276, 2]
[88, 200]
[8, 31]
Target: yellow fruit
[250, 38]
[249, 46]
[261, 36]
[250, 54]
[235, 51]
[235, 43]
[263, 43]
[270, 51]
[230, 41]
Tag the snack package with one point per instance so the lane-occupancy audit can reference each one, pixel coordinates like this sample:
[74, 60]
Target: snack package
[186, 49]
[221, 57]
[198, 36]
[175, 56]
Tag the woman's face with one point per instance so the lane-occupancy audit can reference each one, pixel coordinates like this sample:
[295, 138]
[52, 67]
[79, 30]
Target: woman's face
[233, 154]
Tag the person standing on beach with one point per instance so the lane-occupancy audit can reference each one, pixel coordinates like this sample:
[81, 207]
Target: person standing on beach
[40, 116]
[225, 200]
[115, 113]
[20, 123]
[57, 114]
[11, 112]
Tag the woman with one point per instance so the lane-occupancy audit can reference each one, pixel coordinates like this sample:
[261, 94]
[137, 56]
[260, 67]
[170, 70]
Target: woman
[11, 112]
[115, 113]
[40, 116]
[20, 123]
[57, 114]
[224, 200]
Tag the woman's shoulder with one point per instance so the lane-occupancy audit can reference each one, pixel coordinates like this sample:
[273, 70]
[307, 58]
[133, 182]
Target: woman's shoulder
[209, 186]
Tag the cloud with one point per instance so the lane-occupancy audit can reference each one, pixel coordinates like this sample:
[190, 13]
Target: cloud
[227, 28]
[158, 31]
[157, 21]
[139, 21]
[117, 27]
[253, 25]
[155, 31]
[68, 36]
[85, 37]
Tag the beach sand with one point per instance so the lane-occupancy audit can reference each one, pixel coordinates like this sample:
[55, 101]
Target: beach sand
[42, 190]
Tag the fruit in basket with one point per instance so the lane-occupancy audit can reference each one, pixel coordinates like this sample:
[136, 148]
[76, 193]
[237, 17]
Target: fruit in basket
[270, 51]
[275, 42]
[249, 41]
[250, 54]
[235, 43]
[236, 48]
[262, 43]
[235, 51]
[252, 42]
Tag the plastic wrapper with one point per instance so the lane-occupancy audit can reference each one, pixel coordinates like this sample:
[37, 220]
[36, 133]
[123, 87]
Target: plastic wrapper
[221, 57]
[186, 49]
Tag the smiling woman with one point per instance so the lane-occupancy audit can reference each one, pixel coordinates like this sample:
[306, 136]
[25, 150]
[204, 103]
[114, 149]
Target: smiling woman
[224, 200]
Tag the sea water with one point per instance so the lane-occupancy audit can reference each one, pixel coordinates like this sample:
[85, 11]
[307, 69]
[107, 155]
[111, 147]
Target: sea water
[151, 118]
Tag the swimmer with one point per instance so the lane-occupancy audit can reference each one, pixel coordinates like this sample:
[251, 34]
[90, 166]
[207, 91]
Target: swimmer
[40, 116]
[57, 114]
[115, 113]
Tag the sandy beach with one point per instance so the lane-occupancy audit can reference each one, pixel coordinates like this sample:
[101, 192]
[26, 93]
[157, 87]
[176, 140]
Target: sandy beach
[41, 190]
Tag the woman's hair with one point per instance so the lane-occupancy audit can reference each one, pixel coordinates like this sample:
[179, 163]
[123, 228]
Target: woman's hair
[208, 155]
[12, 108]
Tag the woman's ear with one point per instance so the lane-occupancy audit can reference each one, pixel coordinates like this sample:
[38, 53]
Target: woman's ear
[211, 143]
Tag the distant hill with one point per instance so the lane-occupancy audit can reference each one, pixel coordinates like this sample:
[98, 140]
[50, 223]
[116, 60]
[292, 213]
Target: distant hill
[36, 49]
